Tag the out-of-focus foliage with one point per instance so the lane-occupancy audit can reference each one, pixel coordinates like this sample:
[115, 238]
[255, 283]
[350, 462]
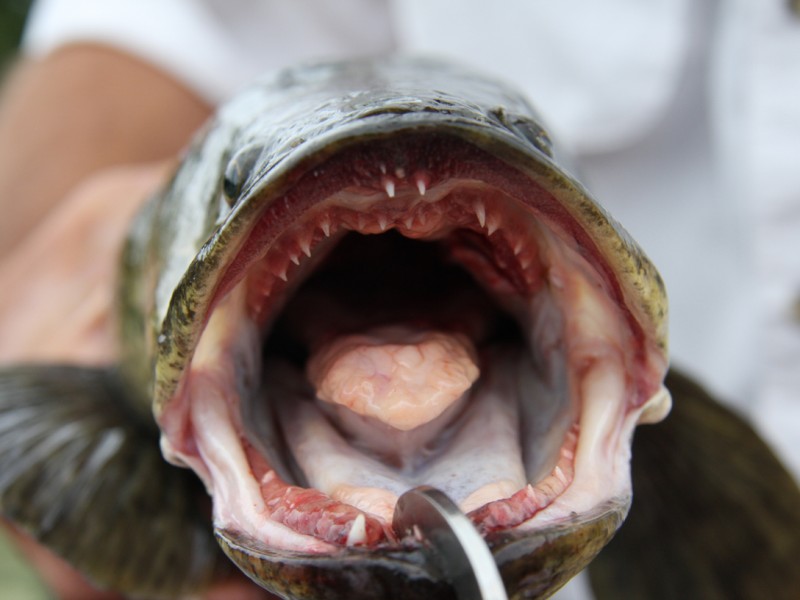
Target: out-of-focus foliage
[12, 19]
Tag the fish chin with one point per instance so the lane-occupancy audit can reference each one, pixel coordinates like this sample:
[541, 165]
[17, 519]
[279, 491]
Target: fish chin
[425, 233]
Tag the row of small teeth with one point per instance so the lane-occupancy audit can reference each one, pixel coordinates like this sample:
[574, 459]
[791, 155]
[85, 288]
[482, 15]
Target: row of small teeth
[549, 488]
[510, 512]
[300, 248]
[491, 224]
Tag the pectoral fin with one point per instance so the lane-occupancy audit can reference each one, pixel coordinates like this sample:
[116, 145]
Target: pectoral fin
[715, 515]
[82, 473]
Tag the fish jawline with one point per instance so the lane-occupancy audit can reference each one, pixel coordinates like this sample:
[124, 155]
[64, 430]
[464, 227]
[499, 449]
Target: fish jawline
[525, 560]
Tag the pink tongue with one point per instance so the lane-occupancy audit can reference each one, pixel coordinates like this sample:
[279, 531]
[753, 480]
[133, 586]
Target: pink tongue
[401, 377]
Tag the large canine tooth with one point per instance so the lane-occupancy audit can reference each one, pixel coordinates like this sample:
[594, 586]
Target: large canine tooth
[480, 212]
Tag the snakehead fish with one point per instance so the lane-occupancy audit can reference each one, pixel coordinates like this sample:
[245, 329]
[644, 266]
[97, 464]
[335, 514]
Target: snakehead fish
[363, 277]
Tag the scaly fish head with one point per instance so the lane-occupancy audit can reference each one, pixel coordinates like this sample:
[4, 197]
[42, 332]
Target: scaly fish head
[405, 286]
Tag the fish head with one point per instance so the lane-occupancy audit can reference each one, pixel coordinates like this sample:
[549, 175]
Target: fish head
[377, 221]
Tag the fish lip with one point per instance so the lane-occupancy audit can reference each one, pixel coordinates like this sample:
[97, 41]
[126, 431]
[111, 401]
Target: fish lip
[532, 565]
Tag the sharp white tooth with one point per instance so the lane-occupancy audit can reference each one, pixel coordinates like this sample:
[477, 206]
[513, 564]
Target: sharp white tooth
[518, 247]
[480, 212]
[389, 187]
[409, 222]
[383, 222]
[382, 167]
[417, 533]
[532, 493]
[305, 246]
[325, 225]
[492, 225]
[421, 187]
[560, 475]
[401, 173]
[282, 274]
[358, 531]
[294, 258]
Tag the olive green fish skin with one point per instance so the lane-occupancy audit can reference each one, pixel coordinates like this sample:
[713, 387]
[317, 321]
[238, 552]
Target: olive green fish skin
[356, 573]
[538, 565]
[533, 565]
[294, 121]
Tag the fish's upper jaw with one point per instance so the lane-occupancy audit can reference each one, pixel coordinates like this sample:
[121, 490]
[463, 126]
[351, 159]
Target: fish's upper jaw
[447, 238]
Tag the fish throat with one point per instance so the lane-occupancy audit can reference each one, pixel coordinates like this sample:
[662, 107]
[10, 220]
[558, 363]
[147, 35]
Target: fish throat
[407, 312]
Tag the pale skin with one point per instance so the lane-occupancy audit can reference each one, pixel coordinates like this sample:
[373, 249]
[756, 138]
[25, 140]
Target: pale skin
[86, 134]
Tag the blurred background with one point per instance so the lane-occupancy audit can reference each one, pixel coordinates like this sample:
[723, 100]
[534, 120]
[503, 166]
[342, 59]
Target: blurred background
[17, 580]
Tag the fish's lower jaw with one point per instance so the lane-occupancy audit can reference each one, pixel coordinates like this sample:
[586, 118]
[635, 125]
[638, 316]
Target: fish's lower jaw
[251, 499]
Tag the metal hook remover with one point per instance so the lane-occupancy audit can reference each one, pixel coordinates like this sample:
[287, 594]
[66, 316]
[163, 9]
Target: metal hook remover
[453, 543]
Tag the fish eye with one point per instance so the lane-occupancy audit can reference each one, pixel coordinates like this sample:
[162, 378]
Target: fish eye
[237, 172]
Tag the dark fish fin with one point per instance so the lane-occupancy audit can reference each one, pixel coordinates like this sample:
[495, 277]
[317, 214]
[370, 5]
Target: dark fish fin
[715, 515]
[83, 474]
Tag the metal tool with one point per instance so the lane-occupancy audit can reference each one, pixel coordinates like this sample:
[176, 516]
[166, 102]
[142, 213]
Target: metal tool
[454, 544]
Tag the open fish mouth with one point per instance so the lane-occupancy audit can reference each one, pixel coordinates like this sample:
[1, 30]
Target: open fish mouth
[413, 303]
[407, 239]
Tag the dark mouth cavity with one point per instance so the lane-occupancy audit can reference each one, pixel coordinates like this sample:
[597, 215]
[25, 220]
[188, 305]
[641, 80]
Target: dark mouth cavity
[373, 280]
[369, 281]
